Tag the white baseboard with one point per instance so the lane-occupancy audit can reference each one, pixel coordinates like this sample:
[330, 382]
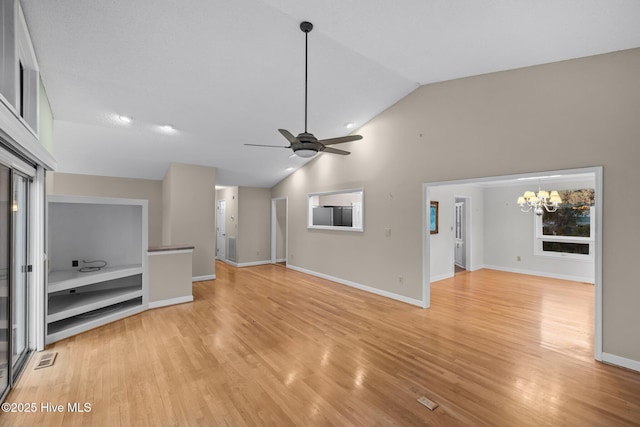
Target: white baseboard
[253, 263]
[245, 264]
[539, 273]
[281, 260]
[366, 288]
[203, 278]
[442, 277]
[612, 359]
[171, 301]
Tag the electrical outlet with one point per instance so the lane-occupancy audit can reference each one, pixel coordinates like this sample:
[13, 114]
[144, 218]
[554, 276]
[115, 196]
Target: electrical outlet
[74, 263]
[387, 232]
[401, 280]
[519, 258]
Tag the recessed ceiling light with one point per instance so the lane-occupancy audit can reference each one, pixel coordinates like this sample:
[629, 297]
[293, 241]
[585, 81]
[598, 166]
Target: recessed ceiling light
[289, 169]
[167, 128]
[124, 119]
[348, 125]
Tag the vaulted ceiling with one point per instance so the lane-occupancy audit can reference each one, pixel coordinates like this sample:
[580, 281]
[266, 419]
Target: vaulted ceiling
[226, 73]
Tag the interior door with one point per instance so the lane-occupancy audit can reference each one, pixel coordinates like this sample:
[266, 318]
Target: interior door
[460, 235]
[221, 234]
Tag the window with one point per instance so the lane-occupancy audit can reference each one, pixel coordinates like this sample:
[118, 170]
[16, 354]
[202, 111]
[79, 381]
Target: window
[19, 75]
[569, 231]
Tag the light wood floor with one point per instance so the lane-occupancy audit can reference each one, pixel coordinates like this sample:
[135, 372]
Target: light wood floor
[269, 346]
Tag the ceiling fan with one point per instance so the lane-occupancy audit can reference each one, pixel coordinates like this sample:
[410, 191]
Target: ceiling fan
[306, 144]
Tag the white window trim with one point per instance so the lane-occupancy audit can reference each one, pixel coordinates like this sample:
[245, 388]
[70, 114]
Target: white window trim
[539, 238]
[310, 197]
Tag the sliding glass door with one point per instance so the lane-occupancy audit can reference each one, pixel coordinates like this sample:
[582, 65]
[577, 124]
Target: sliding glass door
[5, 276]
[20, 270]
[14, 270]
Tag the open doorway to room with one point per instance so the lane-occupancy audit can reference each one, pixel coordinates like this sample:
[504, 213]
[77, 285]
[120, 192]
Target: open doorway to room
[462, 233]
[501, 238]
[279, 230]
[221, 230]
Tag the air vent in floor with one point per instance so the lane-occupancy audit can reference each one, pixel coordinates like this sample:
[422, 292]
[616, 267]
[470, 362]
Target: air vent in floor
[46, 360]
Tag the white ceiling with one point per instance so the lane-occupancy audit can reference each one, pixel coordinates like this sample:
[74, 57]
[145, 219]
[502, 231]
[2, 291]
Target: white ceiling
[225, 73]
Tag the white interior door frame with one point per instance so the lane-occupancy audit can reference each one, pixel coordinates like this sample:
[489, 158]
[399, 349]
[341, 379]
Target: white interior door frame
[274, 230]
[426, 236]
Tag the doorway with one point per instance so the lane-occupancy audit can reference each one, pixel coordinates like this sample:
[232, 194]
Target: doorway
[595, 174]
[462, 233]
[221, 233]
[279, 230]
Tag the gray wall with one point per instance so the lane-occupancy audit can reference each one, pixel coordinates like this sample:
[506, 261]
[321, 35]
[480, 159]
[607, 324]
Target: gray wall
[189, 200]
[509, 233]
[105, 186]
[570, 114]
[254, 224]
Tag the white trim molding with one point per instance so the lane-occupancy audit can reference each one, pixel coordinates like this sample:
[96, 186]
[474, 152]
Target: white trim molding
[203, 278]
[170, 301]
[442, 277]
[541, 274]
[362, 287]
[246, 264]
[253, 263]
[612, 359]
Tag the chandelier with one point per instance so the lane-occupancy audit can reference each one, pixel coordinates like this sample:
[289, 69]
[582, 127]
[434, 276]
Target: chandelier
[530, 200]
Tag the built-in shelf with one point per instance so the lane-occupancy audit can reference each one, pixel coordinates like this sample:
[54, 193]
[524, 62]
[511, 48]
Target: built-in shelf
[65, 306]
[92, 228]
[74, 325]
[68, 279]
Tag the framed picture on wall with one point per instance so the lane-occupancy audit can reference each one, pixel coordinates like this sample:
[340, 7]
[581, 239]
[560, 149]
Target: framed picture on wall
[433, 217]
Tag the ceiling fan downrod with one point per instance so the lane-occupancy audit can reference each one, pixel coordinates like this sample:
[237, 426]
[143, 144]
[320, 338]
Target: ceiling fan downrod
[306, 28]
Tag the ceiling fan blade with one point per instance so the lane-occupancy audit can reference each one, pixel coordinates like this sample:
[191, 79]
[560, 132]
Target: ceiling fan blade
[341, 139]
[335, 151]
[262, 145]
[292, 139]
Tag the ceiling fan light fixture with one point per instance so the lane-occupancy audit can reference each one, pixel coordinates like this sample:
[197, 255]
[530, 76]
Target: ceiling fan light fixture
[306, 153]
[167, 128]
[306, 145]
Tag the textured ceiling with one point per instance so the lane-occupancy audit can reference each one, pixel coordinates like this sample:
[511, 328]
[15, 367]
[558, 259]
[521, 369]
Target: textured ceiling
[225, 73]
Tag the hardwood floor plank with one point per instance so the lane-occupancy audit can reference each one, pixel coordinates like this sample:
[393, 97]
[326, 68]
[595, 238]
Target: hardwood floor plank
[269, 346]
